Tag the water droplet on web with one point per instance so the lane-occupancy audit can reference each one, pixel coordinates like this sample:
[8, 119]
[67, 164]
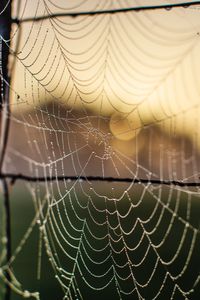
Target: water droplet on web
[26, 294]
[168, 8]
[41, 228]
[4, 240]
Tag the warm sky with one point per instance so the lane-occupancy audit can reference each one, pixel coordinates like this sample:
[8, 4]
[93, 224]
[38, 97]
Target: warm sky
[144, 66]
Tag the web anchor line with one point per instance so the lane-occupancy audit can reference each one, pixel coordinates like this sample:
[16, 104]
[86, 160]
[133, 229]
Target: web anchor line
[5, 30]
[23, 177]
[8, 233]
[107, 11]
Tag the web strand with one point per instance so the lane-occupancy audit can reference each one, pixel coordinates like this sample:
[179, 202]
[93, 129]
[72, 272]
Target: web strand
[104, 141]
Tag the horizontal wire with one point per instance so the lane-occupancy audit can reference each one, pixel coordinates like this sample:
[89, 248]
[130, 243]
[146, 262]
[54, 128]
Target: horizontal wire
[107, 11]
[19, 176]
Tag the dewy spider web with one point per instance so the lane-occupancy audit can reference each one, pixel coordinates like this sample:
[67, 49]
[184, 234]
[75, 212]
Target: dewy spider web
[108, 96]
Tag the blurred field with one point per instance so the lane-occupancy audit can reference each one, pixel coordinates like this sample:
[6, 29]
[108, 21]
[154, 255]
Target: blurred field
[26, 263]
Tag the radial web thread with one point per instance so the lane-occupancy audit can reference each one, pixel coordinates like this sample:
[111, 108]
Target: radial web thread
[106, 96]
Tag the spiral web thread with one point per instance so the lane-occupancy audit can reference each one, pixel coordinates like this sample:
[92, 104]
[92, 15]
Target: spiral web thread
[108, 96]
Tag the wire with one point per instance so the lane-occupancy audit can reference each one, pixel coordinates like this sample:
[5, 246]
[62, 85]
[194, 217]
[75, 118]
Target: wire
[107, 11]
[14, 177]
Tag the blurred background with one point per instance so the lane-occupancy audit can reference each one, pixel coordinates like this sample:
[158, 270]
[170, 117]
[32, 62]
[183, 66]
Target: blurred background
[108, 95]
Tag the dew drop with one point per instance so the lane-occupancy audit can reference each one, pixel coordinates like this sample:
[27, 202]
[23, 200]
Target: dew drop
[26, 294]
[4, 240]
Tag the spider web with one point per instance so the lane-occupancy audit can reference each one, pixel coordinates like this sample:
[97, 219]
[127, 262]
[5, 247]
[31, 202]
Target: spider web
[95, 99]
